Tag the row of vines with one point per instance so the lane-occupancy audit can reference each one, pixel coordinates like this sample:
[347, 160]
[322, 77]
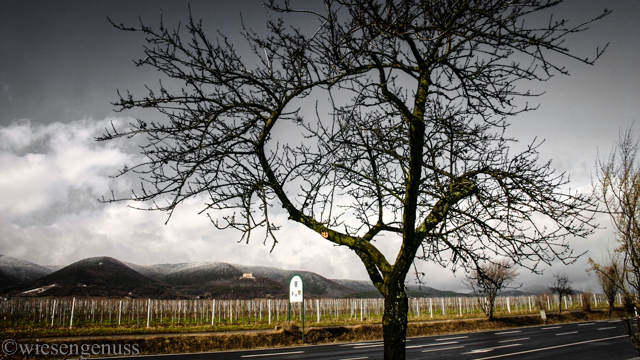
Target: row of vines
[87, 312]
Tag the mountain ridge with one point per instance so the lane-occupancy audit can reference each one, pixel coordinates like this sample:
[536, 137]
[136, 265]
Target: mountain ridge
[96, 276]
[109, 277]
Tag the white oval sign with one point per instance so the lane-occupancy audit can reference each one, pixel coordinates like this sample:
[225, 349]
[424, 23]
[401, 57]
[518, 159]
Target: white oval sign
[296, 290]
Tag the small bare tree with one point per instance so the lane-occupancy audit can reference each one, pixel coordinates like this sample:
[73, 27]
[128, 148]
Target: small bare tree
[610, 276]
[562, 286]
[618, 187]
[487, 280]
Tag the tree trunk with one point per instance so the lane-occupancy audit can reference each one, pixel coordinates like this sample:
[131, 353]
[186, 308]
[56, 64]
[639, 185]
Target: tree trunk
[611, 307]
[559, 304]
[492, 304]
[394, 322]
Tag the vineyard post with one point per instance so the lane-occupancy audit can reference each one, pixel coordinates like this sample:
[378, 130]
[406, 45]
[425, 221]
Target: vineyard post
[318, 309]
[53, 314]
[120, 313]
[269, 306]
[213, 311]
[148, 312]
[508, 305]
[73, 305]
[40, 315]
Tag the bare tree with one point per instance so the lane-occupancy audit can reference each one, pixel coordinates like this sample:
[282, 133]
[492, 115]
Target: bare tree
[406, 138]
[610, 276]
[488, 280]
[618, 187]
[562, 286]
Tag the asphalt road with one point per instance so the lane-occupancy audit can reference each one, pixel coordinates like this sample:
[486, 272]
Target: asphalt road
[580, 341]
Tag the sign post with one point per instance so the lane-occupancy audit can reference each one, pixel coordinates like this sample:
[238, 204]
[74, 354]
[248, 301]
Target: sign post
[296, 294]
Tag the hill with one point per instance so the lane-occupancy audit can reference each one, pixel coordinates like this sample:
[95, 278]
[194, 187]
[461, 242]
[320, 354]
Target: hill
[365, 289]
[7, 281]
[14, 272]
[98, 276]
[22, 271]
[314, 285]
[208, 278]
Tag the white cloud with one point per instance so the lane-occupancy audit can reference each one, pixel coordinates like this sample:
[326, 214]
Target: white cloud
[27, 183]
[42, 164]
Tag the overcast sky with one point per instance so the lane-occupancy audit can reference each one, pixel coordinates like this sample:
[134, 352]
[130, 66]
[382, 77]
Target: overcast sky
[61, 63]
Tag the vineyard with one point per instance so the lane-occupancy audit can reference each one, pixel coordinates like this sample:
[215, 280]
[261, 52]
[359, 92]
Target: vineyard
[76, 313]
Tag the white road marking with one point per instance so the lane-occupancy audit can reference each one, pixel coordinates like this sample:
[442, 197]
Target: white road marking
[360, 358]
[273, 354]
[443, 349]
[452, 338]
[567, 333]
[608, 328]
[551, 328]
[476, 351]
[368, 346]
[508, 332]
[585, 324]
[363, 343]
[512, 340]
[429, 345]
[549, 348]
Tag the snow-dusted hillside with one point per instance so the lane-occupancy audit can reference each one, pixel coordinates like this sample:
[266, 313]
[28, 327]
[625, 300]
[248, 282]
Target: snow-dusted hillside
[194, 279]
[357, 285]
[21, 270]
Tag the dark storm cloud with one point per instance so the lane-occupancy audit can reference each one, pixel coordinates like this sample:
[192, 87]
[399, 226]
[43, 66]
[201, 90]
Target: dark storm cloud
[63, 60]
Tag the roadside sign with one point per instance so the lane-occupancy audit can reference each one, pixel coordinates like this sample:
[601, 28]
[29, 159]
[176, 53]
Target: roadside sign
[296, 290]
[296, 295]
